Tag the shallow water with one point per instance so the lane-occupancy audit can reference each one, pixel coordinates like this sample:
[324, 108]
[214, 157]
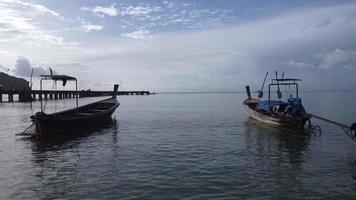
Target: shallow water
[174, 146]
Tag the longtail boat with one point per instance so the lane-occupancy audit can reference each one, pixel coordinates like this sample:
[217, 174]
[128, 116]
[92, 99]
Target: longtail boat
[76, 118]
[288, 114]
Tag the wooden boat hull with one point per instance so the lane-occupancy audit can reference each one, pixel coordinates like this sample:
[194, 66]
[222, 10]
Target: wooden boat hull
[288, 122]
[73, 119]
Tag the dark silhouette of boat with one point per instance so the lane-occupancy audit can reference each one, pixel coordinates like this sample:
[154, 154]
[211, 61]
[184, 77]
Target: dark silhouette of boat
[75, 118]
[288, 114]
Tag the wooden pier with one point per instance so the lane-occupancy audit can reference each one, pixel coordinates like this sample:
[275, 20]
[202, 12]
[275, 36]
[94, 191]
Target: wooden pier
[32, 95]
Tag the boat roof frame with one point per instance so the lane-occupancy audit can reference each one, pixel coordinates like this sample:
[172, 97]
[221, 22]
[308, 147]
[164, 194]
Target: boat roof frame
[276, 82]
[64, 79]
[58, 77]
[292, 80]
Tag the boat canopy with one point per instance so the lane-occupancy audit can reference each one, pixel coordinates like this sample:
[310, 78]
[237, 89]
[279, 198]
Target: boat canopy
[58, 77]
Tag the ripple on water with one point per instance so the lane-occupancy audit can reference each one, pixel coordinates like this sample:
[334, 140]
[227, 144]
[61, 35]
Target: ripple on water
[176, 147]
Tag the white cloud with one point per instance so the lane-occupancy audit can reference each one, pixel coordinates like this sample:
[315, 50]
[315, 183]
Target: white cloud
[328, 60]
[138, 35]
[139, 10]
[21, 22]
[171, 16]
[181, 21]
[3, 68]
[338, 58]
[110, 11]
[40, 9]
[170, 4]
[91, 27]
[299, 65]
[10, 20]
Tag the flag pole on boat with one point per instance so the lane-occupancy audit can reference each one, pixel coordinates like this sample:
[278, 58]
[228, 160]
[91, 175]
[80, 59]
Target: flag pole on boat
[260, 93]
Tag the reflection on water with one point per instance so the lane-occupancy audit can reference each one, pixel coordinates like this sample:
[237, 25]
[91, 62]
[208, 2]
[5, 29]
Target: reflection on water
[72, 138]
[201, 146]
[284, 153]
[292, 142]
[57, 159]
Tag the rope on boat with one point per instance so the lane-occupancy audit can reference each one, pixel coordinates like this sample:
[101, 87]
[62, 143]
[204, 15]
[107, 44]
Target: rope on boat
[27, 131]
[314, 128]
[349, 130]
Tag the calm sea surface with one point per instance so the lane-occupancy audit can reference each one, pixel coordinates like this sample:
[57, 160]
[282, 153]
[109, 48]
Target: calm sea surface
[181, 146]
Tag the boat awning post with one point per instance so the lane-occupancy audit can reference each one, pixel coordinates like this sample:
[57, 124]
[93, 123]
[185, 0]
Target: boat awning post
[76, 92]
[269, 97]
[41, 92]
[64, 79]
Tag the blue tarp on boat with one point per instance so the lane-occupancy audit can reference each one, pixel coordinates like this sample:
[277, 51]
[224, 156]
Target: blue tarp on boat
[293, 107]
[264, 105]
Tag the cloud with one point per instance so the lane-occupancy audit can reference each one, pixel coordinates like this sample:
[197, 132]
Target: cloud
[21, 23]
[233, 56]
[91, 27]
[23, 68]
[178, 45]
[139, 10]
[328, 60]
[299, 65]
[167, 17]
[183, 21]
[338, 58]
[138, 35]
[3, 68]
[170, 4]
[37, 8]
[110, 11]
[259, 9]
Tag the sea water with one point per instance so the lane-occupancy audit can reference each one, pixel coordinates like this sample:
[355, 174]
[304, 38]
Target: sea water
[181, 146]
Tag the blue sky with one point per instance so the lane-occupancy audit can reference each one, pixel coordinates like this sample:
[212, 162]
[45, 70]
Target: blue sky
[167, 45]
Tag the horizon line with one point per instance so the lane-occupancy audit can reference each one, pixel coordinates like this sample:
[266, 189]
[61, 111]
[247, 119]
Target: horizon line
[221, 92]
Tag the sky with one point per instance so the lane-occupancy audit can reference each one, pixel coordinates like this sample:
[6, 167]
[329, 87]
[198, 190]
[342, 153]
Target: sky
[177, 45]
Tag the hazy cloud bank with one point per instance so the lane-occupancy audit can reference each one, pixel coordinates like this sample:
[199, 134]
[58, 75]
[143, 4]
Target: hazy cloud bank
[23, 68]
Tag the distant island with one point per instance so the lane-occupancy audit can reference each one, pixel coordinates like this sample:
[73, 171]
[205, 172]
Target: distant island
[8, 82]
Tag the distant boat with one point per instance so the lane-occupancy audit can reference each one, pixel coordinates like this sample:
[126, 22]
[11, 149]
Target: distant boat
[75, 118]
[288, 114]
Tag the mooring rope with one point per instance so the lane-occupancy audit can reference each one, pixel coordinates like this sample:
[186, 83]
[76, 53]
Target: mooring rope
[25, 131]
[314, 128]
[350, 133]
